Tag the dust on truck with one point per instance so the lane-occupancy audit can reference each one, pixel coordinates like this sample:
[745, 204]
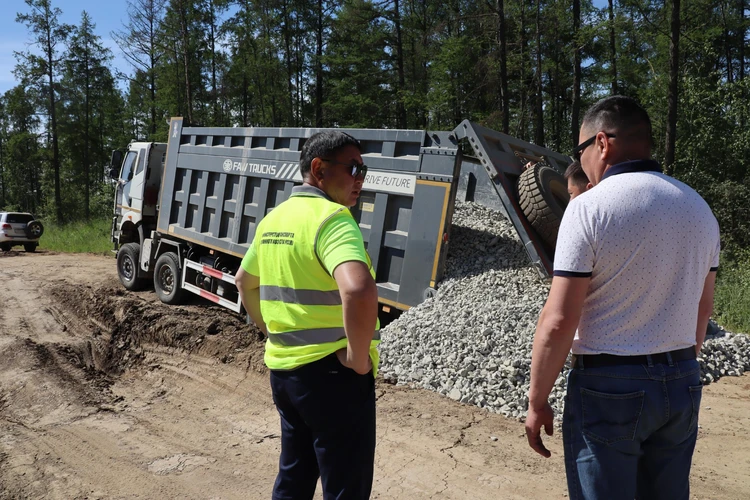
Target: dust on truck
[185, 212]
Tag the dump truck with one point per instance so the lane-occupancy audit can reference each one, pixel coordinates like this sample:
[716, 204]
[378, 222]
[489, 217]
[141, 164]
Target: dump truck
[186, 211]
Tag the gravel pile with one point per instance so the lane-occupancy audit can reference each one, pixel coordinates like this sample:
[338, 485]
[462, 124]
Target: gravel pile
[472, 340]
[725, 354]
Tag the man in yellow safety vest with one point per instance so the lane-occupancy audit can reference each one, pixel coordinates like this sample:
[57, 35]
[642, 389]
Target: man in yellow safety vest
[308, 283]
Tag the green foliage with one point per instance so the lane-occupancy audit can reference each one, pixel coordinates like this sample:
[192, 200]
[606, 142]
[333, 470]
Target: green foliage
[358, 95]
[713, 151]
[21, 156]
[732, 300]
[78, 237]
[90, 119]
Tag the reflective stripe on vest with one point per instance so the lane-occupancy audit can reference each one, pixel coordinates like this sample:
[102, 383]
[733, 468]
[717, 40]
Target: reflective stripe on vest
[314, 336]
[303, 297]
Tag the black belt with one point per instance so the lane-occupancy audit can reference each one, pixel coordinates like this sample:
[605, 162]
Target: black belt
[597, 360]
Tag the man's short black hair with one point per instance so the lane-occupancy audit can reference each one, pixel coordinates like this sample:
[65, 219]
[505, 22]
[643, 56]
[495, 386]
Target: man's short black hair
[576, 173]
[621, 115]
[324, 145]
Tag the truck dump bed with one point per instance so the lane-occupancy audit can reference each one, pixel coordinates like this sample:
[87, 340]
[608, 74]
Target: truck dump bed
[220, 182]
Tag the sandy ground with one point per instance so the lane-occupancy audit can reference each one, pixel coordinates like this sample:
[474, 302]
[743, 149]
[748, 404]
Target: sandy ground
[106, 393]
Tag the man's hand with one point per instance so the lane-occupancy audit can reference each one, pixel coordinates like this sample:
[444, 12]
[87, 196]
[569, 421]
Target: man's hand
[345, 359]
[359, 300]
[552, 340]
[535, 419]
[248, 286]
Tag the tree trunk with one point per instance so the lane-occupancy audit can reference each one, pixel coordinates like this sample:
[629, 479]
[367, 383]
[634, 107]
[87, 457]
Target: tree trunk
[522, 132]
[741, 44]
[288, 60]
[87, 145]
[726, 35]
[319, 67]
[214, 92]
[2, 169]
[300, 69]
[177, 79]
[53, 127]
[576, 105]
[672, 98]
[539, 133]
[152, 72]
[400, 108]
[612, 46]
[245, 95]
[186, 62]
[502, 40]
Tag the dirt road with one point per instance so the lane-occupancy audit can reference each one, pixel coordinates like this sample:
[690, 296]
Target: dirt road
[110, 394]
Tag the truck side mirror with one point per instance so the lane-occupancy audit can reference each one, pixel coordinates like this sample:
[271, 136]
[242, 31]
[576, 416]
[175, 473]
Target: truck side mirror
[115, 164]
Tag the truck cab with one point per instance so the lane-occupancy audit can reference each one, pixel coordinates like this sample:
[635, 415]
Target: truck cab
[138, 175]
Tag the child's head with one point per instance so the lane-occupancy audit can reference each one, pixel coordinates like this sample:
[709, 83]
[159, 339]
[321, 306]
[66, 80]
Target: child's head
[577, 181]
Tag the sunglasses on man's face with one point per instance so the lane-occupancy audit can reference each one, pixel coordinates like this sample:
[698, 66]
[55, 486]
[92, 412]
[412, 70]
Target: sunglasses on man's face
[357, 169]
[578, 150]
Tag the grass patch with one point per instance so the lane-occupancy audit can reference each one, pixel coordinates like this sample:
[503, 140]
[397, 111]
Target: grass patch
[78, 237]
[732, 296]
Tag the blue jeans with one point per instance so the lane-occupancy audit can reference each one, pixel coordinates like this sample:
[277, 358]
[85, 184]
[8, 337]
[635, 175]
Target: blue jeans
[629, 431]
[327, 430]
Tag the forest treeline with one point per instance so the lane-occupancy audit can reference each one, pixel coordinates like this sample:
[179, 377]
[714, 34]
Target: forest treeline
[529, 68]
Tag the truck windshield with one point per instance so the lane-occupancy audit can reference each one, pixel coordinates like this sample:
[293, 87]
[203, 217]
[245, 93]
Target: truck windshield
[127, 166]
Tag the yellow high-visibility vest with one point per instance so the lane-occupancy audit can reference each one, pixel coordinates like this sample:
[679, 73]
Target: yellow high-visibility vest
[299, 300]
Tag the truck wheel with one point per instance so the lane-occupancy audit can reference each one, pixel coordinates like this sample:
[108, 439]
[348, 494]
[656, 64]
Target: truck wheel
[5, 247]
[34, 229]
[543, 196]
[30, 247]
[128, 259]
[168, 279]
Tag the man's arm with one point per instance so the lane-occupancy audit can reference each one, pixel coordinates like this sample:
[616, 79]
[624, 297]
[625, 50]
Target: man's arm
[359, 298]
[248, 286]
[705, 308]
[554, 335]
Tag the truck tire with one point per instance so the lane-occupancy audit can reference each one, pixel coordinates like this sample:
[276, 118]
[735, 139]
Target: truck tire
[30, 247]
[543, 196]
[34, 229]
[128, 259]
[168, 279]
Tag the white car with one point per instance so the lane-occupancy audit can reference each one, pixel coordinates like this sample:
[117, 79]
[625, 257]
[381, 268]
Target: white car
[19, 228]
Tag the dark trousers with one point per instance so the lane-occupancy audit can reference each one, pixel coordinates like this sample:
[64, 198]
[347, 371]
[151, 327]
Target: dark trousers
[327, 430]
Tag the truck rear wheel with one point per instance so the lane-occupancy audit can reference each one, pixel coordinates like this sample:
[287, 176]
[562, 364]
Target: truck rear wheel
[128, 259]
[168, 279]
[543, 196]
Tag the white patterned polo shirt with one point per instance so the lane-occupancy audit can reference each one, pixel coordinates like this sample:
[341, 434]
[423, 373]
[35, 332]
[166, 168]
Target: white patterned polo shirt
[647, 241]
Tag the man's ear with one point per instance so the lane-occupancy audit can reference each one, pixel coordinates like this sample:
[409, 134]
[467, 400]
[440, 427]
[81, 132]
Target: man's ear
[316, 168]
[603, 145]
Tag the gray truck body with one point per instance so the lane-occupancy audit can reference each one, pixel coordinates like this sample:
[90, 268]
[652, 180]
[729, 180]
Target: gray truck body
[217, 184]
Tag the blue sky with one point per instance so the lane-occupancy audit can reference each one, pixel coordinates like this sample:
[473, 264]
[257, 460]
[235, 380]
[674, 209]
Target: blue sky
[108, 15]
